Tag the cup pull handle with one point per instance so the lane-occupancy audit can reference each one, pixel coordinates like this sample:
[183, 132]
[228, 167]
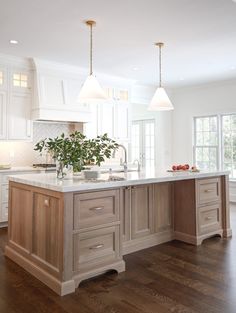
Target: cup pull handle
[99, 246]
[208, 190]
[96, 209]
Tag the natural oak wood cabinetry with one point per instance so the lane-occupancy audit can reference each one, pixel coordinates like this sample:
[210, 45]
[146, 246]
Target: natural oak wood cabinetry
[63, 238]
[147, 215]
[141, 211]
[162, 206]
[201, 202]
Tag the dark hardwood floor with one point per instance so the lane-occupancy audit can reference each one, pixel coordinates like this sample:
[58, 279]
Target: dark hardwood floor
[173, 277]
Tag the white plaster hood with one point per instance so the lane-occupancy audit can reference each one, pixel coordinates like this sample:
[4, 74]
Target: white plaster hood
[56, 89]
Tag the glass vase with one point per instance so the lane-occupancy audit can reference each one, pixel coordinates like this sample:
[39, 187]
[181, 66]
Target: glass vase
[64, 171]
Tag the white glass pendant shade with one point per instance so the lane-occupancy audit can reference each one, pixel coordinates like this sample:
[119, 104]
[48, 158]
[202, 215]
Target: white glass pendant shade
[91, 91]
[160, 101]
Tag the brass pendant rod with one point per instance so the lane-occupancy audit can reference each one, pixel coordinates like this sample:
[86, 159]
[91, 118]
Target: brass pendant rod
[91, 23]
[160, 45]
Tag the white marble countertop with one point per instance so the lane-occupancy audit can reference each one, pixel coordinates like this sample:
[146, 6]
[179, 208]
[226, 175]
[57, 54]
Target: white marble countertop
[49, 180]
[21, 169]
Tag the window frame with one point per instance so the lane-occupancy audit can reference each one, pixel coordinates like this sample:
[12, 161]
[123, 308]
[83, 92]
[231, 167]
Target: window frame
[220, 152]
[195, 139]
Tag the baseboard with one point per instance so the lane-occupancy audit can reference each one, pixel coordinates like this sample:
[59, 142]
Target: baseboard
[147, 242]
[118, 266]
[61, 288]
[196, 240]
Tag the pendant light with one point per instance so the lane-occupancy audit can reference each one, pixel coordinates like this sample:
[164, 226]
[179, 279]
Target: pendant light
[160, 101]
[91, 90]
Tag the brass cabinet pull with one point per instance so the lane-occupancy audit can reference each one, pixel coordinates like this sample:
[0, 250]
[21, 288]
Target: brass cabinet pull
[208, 218]
[96, 209]
[208, 190]
[46, 202]
[99, 246]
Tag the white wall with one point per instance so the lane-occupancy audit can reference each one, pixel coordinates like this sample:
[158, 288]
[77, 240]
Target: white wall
[197, 101]
[140, 98]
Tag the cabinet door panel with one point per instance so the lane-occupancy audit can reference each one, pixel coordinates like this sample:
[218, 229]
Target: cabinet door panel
[162, 206]
[122, 121]
[106, 119]
[3, 115]
[19, 117]
[47, 230]
[141, 211]
[20, 221]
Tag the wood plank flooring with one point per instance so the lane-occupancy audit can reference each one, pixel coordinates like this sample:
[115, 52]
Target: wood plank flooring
[173, 277]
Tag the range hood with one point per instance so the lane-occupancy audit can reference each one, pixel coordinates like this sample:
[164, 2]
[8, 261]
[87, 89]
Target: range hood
[56, 89]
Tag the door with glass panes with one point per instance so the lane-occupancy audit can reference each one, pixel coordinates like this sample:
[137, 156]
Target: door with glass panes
[143, 142]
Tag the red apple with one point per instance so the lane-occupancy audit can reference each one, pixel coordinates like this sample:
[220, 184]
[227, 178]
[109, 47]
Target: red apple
[184, 168]
[187, 166]
[174, 167]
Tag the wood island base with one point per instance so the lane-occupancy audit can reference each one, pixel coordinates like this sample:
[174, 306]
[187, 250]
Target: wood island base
[63, 238]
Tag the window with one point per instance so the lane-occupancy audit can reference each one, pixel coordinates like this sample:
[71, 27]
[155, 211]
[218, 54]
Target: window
[20, 80]
[215, 142]
[143, 142]
[1, 78]
[229, 143]
[206, 142]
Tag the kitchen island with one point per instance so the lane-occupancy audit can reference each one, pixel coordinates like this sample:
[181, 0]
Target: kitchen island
[63, 232]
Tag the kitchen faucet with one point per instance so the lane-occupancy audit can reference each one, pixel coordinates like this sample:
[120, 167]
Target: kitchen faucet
[121, 162]
[138, 163]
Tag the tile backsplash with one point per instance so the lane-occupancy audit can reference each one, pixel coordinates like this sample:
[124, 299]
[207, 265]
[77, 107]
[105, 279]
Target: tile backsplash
[20, 153]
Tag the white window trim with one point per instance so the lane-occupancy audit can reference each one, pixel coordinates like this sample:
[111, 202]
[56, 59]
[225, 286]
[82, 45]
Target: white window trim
[220, 152]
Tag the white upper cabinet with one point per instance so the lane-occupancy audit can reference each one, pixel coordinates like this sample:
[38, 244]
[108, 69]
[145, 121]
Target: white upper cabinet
[15, 99]
[111, 117]
[122, 123]
[3, 115]
[19, 120]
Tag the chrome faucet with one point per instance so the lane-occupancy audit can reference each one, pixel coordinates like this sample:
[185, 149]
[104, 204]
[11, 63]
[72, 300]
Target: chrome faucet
[121, 161]
[138, 163]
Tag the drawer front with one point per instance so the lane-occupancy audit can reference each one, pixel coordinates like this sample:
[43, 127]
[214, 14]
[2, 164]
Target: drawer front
[208, 190]
[4, 212]
[96, 208]
[209, 219]
[4, 193]
[96, 247]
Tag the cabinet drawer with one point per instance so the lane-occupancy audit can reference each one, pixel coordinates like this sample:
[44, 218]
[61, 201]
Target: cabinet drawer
[96, 247]
[95, 208]
[4, 193]
[208, 190]
[4, 212]
[209, 219]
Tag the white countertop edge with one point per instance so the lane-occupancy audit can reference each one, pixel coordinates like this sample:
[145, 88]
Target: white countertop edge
[49, 181]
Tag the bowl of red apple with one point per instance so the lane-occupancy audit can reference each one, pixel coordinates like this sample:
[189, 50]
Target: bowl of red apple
[184, 168]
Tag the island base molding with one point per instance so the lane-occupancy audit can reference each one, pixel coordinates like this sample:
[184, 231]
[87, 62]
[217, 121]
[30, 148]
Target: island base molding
[61, 288]
[196, 240]
[147, 242]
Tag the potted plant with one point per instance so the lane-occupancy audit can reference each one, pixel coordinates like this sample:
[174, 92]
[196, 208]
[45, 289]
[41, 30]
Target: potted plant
[75, 151]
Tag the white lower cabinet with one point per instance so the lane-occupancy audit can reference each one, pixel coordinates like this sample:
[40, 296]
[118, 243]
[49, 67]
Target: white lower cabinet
[4, 188]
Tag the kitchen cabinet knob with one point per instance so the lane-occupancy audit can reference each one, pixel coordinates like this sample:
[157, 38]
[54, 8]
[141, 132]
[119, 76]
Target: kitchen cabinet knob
[96, 209]
[208, 218]
[99, 246]
[46, 202]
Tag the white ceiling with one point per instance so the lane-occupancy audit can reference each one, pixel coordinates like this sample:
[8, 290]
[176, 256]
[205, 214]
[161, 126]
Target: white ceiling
[199, 36]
